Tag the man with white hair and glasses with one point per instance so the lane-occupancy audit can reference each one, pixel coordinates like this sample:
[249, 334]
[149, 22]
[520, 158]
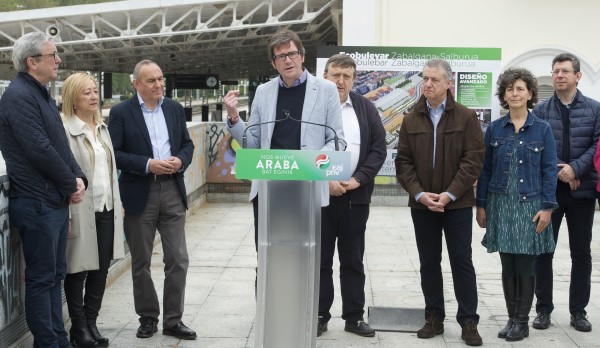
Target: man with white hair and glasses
[44, 179]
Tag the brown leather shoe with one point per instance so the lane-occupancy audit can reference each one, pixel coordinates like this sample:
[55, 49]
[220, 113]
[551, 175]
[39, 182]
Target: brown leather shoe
[433, 326]
[470, 334]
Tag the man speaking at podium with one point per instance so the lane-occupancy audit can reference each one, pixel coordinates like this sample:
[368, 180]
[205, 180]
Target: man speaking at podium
[346, 216]
[295, 95]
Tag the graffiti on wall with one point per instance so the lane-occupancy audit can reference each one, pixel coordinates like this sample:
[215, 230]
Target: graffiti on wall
[214, 134]
[11, 285]
[221, 155]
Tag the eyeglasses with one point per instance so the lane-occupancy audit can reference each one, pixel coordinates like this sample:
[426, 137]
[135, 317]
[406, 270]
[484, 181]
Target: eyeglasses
[292, 55]
[561, 71]
[54, 55]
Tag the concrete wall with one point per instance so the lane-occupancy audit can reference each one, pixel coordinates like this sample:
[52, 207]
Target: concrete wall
[12, 265]
[530, 33]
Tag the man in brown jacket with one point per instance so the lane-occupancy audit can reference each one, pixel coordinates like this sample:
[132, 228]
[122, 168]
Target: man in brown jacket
[440, 155]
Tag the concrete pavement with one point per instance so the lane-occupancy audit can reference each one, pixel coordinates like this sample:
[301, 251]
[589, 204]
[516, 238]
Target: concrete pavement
[220, 303]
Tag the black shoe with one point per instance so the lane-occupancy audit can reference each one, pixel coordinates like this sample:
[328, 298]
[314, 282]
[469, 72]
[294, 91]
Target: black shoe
[502, 333]
[180, 331]
[148, 326]
[102, 341]
[580, 323]
[542, 321]
[360, 328]
[80, 337]
[321, 326]
[518, 331]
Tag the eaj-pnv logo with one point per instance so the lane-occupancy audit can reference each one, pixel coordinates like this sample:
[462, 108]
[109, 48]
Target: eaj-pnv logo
[322, 161]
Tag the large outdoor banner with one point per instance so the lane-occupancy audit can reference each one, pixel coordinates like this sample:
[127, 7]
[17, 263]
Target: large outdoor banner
[391, 78]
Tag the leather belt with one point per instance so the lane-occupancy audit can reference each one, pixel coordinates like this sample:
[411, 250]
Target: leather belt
[162, 177]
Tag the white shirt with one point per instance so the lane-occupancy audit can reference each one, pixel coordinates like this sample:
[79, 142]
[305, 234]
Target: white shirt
[351, 132]
[101, 184]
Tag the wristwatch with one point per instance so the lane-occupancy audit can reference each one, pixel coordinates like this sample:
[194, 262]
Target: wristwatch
[357, 180]
[229, 120]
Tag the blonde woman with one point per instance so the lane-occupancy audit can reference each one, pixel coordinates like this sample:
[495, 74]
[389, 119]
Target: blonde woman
[96, 224]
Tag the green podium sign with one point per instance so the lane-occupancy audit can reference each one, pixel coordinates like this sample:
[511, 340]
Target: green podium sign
[292, 165]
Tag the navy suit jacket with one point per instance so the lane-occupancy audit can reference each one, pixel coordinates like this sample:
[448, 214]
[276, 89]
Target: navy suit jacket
[133, 149]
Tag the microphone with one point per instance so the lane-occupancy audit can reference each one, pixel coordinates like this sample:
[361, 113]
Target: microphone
[335, 136]
[244, 136]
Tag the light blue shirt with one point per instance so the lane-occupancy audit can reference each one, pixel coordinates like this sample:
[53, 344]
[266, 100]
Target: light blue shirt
[157, 128]
[298, 82]
[436, 116]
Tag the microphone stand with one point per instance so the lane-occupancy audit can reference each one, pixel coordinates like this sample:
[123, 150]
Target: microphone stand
[335, 136]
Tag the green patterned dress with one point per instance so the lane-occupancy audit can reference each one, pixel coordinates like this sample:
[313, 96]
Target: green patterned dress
[509, 221]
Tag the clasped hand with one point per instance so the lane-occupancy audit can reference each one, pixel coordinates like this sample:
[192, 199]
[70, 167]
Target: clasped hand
[435, 202]
[169, 166]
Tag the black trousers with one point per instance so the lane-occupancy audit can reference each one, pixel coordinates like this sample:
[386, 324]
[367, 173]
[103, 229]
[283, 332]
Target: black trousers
[457, 226]
[580, 218]
[87, 308]
[347, 223]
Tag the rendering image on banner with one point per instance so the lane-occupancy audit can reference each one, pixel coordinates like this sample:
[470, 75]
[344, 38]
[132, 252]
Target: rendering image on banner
[391, 78]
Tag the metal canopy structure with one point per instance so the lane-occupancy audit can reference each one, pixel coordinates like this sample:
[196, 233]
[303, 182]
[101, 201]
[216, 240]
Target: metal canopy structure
[223, 37]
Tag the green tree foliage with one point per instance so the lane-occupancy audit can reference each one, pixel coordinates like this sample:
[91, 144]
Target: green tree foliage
[121, 84]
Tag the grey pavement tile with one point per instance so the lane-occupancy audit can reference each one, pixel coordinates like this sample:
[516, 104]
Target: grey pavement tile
[221, 342]
[226, 325]
[220, 303]
[215, 305]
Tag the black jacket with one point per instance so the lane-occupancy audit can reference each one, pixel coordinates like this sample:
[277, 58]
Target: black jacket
[372, 148]
[584, 130]
[38, 159]
[133, 149]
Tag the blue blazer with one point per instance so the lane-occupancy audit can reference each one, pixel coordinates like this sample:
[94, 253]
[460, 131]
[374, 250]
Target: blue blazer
[133, 149]
[321, 105]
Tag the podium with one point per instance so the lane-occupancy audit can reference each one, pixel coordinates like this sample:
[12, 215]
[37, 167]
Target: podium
[291, 185]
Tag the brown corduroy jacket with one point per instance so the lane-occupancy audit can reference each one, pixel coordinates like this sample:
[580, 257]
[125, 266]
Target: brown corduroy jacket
[459, 153]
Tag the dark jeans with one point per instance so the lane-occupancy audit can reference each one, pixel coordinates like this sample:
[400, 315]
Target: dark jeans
[457, 226]
[580, 218]
[43, 231]
[346, 223]
[86, 309]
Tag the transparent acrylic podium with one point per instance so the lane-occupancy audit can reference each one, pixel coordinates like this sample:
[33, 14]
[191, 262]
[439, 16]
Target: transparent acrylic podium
[289, 239]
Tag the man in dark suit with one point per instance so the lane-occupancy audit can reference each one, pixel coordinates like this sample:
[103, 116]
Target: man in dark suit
[153, 149]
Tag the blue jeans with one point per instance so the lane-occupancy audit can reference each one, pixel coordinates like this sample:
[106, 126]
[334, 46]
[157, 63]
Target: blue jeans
[43, 231]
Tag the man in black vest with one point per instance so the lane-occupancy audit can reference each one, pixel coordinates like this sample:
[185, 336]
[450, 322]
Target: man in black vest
[575, 122]
[345, 219]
